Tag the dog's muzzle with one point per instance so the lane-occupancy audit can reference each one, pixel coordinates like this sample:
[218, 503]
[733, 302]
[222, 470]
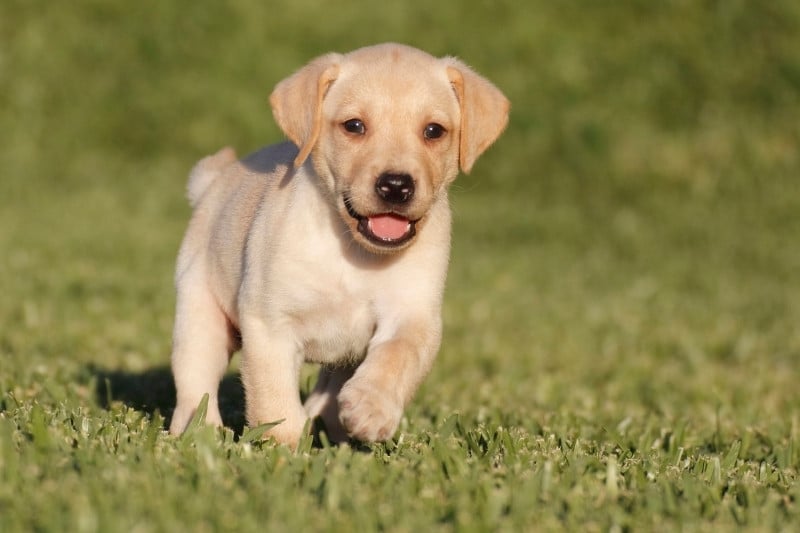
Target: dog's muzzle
[383, 229]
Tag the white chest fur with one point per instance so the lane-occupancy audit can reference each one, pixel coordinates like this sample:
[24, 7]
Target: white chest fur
[313, 282]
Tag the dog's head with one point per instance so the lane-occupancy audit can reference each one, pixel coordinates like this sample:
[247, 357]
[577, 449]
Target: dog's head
[387, 128]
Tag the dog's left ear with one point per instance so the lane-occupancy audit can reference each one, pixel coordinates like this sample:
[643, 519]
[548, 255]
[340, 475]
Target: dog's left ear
[297, 102]
[484, 111]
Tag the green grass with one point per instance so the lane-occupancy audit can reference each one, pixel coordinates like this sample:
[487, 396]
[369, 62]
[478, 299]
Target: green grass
[621, 351]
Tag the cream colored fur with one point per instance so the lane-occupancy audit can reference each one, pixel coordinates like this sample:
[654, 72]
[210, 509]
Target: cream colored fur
[274, 257]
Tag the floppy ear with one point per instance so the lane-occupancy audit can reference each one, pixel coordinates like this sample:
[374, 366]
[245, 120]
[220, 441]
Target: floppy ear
[297, 102]
[484, 111]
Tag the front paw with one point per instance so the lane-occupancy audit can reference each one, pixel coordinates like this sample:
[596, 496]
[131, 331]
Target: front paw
[368, 413]
[288, 435]
[283, 429]
[185, 411]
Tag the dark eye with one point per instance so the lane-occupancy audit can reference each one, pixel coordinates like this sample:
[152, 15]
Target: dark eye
[433, 131]
[354, 126]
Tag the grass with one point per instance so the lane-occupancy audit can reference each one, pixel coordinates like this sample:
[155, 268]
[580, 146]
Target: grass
[621, 348]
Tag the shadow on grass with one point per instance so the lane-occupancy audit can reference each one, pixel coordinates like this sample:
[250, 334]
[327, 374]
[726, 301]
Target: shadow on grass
[153, 391]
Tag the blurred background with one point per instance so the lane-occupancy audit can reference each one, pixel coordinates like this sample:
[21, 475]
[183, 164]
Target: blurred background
[628, 246]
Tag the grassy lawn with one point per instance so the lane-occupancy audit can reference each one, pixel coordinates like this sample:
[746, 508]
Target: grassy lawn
[622, 319]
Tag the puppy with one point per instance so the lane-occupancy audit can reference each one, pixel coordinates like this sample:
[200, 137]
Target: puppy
[331, 248]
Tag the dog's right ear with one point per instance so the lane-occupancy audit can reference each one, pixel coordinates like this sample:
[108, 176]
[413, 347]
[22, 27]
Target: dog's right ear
[297, 102]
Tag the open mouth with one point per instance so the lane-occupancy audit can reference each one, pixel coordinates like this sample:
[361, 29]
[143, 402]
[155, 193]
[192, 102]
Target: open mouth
[384, 229]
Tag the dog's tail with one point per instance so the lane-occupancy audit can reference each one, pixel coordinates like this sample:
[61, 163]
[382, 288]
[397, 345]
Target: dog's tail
[206, 171]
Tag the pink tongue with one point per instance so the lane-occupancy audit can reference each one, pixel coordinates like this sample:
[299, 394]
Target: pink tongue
[388, 227]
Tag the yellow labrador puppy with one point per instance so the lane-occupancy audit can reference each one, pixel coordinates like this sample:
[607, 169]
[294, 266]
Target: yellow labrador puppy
[331, 248]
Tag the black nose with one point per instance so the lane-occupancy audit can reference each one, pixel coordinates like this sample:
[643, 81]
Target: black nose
[395, 188]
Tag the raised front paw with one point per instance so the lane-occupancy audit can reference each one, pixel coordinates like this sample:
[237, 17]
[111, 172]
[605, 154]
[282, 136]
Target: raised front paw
[368, 413]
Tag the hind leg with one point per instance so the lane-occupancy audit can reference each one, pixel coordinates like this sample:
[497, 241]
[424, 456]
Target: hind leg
[323, 403]
[203, 342]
